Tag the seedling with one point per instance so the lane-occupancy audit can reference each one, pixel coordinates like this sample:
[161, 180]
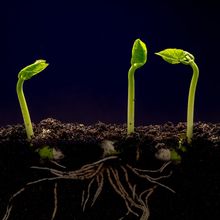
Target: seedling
[25, 74]
[175, 56]
[138, 59]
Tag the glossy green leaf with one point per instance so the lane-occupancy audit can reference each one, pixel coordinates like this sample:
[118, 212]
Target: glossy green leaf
[139, 53]
[172, 55]
[32, 69]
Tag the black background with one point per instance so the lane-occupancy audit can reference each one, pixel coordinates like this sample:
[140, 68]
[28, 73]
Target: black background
[88, 45]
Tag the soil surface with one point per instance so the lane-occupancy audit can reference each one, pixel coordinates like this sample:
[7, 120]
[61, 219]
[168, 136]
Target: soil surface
[98, 172]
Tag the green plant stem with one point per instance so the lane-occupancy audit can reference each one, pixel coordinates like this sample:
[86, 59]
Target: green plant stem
[191, 98]
[131, 100]
[24, 108]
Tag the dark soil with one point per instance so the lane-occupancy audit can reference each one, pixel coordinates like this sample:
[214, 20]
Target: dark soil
[111, 188]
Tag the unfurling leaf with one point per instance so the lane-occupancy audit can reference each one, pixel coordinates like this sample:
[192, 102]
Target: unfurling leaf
[172, 55]
[32, 69]
[139, 53]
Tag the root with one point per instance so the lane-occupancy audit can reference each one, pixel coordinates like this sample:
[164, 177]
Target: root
[88, 195]
[100, 182]
[10, 205]
[135, 198]
[122, 192]
[138, 172]
[55, 202]
[132, 199]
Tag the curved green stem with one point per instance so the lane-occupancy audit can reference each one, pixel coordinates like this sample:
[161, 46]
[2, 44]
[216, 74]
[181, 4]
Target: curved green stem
[191, 100]
[24, 108]
[131, 100]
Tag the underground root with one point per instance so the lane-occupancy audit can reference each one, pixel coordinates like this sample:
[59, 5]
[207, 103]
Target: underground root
[118, 176]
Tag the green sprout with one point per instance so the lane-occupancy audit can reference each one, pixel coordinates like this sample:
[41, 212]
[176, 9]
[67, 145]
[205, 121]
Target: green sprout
[26, 73]
[138, 59]
[175, 56]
